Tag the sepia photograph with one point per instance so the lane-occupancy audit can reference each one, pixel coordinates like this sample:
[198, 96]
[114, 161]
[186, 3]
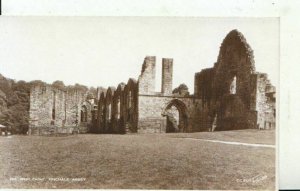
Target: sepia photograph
[138, 102]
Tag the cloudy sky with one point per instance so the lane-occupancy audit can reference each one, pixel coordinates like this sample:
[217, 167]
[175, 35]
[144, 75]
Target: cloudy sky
[104, 51]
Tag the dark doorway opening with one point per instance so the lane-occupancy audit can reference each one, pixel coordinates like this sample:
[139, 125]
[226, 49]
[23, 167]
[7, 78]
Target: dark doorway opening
[176, 117]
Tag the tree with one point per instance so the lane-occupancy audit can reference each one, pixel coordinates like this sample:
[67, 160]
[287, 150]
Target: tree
[182, 89]
[37, 83]
[80, 87]
[16, 112]
[59, 85]
[90, 96]
[92, 93]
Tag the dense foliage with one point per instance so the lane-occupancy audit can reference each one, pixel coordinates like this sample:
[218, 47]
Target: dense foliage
[15, 114]
[182, 89]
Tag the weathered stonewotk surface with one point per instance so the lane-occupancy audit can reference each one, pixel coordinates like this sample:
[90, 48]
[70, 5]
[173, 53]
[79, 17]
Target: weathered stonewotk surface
[60, 111]
[235, 94]
[147, 77]
[230, 95]
[167, 76]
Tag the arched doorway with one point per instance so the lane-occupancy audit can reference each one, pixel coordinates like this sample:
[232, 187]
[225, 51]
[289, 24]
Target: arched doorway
[83, 114]
[176, 116]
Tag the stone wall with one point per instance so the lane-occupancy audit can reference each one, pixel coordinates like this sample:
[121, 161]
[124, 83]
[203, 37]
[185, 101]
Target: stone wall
[265, 104]
[87, 108]
[131, 106]
[136, 108]
[230, 95]
[227, 96]
[151, 108]
[108, 108]
[235, 60]
[41, 104]
[167, 76]
[117, 109]
[203, 85]
[153, 105]
[120, 108]
[147, 77]
[101, 113]
[73, 98]
[56, 108]
[232, 92]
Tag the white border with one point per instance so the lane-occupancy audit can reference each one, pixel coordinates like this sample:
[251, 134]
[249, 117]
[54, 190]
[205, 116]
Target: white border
[287, 10]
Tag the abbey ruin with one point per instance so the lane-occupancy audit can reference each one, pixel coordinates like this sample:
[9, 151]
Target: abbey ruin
[230, 95]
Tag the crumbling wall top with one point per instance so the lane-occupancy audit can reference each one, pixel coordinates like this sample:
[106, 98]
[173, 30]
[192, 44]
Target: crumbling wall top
[147, 77]
[236, 39]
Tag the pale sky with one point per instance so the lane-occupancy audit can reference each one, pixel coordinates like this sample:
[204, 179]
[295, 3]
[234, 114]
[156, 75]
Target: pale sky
[104, 51]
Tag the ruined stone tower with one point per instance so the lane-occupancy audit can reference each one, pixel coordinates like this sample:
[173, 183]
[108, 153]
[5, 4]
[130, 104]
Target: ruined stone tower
[167, 76]
[147, 77]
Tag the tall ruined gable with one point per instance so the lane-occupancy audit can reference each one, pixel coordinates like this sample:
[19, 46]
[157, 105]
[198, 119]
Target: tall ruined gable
[235, 60]
[237, 96]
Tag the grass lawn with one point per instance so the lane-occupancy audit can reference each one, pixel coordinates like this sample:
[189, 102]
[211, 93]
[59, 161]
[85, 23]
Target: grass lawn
[152, 161]
[245, 136]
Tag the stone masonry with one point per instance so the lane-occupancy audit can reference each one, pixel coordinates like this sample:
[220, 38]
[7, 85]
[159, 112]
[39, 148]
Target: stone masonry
[230, 95]
[167, 76]
[53, 109]
[252, 105]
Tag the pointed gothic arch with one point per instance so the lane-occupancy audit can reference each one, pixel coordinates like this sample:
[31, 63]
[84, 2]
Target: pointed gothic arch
[172, 124]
